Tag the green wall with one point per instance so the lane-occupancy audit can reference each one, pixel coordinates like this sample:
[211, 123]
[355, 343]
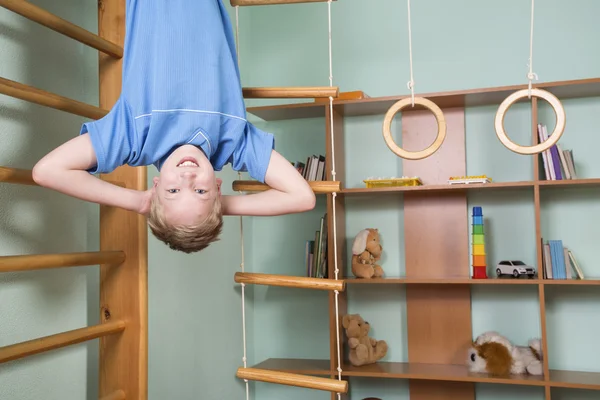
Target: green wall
[456, 45]
[35, 220]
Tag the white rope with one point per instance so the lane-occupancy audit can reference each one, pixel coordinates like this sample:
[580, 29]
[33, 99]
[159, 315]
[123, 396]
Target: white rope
[411, 83]
[531, 75]
[244, 357]
[333, 173]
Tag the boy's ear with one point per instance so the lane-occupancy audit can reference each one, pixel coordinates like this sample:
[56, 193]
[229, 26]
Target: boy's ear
[219, 182]
[155, 180]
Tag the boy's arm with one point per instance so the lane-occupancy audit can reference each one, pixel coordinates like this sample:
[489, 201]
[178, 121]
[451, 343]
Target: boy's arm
[65, 170]
[289, 193]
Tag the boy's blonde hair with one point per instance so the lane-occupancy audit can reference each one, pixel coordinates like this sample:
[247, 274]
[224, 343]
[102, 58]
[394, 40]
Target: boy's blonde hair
[190, 238]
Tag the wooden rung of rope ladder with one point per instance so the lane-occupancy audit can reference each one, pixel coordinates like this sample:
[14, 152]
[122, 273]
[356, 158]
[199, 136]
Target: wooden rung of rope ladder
[242, 3]
[16, 175]
[49, 20]
[116, 395]
[41, 97]
[47, 261]
[47, 343]
[316, 186]
[286, 378]
[290, 92]
[301, 282]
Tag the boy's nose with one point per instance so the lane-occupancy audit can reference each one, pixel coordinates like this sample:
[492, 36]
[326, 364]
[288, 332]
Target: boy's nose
[188, 174]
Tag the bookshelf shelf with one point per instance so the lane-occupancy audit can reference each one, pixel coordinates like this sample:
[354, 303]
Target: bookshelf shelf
[461, 98]
[575, 379]
[574, 182]
[441, 281]
[432, 372]
[323, 187]
[435, 372]
[469, 281]
[441, 188]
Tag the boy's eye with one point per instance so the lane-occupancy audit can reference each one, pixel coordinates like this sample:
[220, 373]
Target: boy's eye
[200, 191]
[173, 190]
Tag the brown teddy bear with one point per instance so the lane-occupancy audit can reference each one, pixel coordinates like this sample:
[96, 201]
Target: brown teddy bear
[363, 349]
[366, 251]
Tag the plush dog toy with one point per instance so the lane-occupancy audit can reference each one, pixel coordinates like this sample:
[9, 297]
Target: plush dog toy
[363, 349]
[366, 251]
[494, 354]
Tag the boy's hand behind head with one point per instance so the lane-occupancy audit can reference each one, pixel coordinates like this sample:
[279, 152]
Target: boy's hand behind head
[185, 207]
[146, 202]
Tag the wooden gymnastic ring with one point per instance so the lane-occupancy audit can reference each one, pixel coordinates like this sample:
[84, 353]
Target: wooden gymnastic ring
[414, 155]
[540, 147]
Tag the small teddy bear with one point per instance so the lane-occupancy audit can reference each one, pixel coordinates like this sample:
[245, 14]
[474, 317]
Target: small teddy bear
[366, 251]
[494, 354]
[363, 349]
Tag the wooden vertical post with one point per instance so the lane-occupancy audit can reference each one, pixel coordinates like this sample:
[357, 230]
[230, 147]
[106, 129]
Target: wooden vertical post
[437, 246]
[338, 135]
[538, 163]
[123, 287]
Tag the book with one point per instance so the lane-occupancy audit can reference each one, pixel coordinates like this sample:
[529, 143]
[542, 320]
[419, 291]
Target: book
[558, 163]
[316, 252]
[558, 261]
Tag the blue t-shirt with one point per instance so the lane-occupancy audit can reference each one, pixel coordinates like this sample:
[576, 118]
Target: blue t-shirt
[181, 85]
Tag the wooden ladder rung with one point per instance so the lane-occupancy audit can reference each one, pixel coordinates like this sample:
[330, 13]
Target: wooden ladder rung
[301, 282]
[49, 20]
[41, 97]
[47, 343]
[271, 2]
[317, 186]
[116, 395]
[47, 261]
[286, 378]
[290, 92]
[16, 175]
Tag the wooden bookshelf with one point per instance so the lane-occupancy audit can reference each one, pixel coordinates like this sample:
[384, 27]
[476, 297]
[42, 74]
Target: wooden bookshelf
[435, 277]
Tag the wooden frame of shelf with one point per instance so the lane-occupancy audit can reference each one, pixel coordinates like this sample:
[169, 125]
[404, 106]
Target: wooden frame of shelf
[458, 98]
[470, 281]
[432, 372]
[425, 284]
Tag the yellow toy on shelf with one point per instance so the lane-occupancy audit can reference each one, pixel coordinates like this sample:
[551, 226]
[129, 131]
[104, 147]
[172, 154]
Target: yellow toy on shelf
[455, 180]
[393, 182]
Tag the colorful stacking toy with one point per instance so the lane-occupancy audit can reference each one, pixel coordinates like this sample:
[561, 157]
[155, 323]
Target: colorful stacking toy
[479, 264]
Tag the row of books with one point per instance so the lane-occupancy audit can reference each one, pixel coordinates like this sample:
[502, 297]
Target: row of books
[558, 163]
[559, 261]
[313, 169]
[316, 252]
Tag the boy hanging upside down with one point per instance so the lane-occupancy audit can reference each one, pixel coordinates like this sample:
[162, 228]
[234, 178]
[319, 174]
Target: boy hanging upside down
[181, 109]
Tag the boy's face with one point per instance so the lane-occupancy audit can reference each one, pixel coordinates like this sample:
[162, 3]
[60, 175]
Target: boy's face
[187, 186]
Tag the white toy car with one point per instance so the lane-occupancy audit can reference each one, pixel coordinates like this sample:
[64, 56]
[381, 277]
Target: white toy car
[515, 268]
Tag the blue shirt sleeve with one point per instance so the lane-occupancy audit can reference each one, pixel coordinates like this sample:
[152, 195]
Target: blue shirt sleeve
[254, 152]
[113, 138]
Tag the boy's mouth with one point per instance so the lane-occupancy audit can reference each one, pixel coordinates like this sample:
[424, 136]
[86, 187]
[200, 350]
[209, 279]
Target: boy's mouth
[188, 162]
